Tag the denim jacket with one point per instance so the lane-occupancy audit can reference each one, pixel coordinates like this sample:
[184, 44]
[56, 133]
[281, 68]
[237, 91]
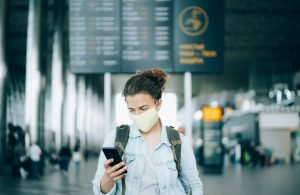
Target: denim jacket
[165, 166]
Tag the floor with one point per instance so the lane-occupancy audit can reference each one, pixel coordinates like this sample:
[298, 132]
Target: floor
[276, 180]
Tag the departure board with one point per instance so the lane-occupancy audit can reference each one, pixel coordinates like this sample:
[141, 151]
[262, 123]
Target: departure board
[124, 36]
[94, 35]
[147, 34]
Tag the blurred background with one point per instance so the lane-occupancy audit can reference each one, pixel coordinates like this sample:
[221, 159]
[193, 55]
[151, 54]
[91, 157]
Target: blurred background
[234, 88]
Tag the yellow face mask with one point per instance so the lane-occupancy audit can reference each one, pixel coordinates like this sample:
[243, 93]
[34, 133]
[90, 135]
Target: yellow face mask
[146, 120]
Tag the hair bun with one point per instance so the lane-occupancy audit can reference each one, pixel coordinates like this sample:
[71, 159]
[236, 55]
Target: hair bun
[157, 75]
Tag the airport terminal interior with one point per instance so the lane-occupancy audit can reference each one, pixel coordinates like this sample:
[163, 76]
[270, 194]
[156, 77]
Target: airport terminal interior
[233, 88]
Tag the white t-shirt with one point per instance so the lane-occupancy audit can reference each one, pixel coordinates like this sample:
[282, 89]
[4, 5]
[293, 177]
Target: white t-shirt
[76, 156]
[34, 152]
[149, 185]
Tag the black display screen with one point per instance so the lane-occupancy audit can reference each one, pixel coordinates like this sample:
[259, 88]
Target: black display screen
[127, 35]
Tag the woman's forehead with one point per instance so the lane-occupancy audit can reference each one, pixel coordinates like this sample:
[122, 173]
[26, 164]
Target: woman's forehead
[139, 100]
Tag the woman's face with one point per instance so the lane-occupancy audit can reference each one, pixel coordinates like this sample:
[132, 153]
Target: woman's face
[139, 103]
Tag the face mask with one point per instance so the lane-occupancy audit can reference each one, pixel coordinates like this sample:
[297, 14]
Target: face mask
[146, 120]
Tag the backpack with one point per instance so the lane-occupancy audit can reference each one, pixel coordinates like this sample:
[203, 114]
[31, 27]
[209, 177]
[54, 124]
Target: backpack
[122, 136]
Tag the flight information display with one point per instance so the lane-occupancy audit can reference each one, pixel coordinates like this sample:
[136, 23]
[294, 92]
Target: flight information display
[128, 35]
[147, 31]
[94, 36]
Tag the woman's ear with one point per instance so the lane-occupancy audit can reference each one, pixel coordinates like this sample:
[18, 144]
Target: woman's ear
[158, 104]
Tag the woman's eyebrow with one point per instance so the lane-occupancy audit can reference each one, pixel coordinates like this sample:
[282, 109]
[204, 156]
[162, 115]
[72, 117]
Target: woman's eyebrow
[139, 106]
[143, 106]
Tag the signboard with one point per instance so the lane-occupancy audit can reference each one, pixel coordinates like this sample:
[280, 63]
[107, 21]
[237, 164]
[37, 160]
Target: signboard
[127, 35]
[199, 36]
[212, 139]
[212, 114]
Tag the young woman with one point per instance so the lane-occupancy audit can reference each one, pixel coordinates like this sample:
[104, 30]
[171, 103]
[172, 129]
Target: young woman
[150, 165]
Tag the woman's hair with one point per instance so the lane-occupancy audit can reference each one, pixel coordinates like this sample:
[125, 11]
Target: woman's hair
[151, 81]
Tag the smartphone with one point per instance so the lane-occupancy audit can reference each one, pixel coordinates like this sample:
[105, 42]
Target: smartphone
[112, 152]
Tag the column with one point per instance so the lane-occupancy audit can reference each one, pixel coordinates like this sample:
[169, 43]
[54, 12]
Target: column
[33, 76]
[107, 103]
[3, 71]
[188, 104]
[57, 85]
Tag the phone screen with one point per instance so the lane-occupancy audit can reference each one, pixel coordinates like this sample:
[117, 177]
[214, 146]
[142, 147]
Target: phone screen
[111, 152]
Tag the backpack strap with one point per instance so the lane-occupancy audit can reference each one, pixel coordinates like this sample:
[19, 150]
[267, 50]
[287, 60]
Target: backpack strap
[122, 136]
[174, 139]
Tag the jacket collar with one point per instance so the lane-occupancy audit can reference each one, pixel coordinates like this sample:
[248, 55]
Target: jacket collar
[134, 131]
[164, 136]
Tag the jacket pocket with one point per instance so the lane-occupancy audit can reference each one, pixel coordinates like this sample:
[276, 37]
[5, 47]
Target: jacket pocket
[173, 174]
[129, 160]
[171, 165]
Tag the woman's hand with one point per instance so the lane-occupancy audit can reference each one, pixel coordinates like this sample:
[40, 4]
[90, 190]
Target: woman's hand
[111, 175]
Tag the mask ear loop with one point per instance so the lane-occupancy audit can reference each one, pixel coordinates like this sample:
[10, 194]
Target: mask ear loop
[157, 103]
[159, 100]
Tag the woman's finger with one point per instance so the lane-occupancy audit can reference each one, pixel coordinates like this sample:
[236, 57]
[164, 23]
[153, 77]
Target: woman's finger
[107, 163]
[118, 177]
[117, 166]
[118, 172]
